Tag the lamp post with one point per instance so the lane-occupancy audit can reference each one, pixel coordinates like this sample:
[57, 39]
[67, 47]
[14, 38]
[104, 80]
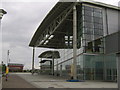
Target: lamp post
[2, 12]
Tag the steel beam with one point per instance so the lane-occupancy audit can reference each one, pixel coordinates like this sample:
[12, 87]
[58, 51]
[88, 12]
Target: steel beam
[54, 25]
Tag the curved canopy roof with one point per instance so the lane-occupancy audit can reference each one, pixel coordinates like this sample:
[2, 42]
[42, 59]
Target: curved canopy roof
[59, 8]
[3, 11]
[50, 54]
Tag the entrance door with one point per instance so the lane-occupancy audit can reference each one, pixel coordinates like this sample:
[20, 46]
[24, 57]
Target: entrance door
[99, 71]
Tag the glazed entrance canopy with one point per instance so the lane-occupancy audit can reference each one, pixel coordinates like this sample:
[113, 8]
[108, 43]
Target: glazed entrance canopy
[2, 11]
[50, 54]
[58, 24]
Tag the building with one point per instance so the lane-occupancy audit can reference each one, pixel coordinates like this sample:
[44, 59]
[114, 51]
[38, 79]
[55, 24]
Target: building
[2, 12]
[15, 67]
[80, 31]
[47, 66]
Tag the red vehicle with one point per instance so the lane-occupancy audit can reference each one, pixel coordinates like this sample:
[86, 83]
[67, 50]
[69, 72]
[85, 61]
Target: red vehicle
[15, 67]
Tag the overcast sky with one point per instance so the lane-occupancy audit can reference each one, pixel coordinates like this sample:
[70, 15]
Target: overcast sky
[20, 23]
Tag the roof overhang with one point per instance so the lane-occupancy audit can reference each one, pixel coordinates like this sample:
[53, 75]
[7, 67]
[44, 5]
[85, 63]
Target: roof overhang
[52, 31]
[52, 20]
[3, 11]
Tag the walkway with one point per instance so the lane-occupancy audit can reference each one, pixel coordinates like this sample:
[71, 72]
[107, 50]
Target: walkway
[46, 81]
[14, 81]
[26, 80]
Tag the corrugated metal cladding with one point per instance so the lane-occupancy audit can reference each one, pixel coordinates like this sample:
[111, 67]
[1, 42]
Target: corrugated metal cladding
[112, 43]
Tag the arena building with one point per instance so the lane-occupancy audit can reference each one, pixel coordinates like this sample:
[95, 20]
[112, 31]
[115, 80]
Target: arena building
[81, 32]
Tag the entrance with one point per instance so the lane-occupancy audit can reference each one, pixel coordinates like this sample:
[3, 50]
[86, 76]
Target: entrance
[99, 71]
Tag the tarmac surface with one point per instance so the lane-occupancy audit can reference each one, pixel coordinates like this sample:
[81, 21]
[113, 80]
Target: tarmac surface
[14, 81]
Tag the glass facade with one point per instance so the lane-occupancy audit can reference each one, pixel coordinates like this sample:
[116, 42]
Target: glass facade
[94, 67]
[90, 67]
[46, 67]
[111, 67]
[90, 28]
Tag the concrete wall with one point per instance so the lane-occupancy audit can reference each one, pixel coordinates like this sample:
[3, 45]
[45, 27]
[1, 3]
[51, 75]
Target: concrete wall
[110, 26]
[112, 21]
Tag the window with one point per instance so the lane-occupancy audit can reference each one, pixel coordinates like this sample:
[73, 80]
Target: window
[66, 37]
[87, 19]
[98, 26]
[98, 10]
[87, 24]
[88, 31]
[97, 20]
[96, 14]
[71, 37]
[87, 8]
[88, 13]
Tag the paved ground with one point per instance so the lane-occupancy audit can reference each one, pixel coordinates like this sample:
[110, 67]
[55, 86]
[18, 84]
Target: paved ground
[26, 80]
[14, 81]
[45, 81]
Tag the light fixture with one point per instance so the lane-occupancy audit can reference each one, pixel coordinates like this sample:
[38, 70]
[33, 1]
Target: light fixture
[51, 37]
[47, 36]
[46, 42]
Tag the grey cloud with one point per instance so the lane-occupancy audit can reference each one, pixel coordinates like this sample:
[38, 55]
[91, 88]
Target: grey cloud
[19, 25]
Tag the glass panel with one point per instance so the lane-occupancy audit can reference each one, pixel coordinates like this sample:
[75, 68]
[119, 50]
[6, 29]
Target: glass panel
[97, 10]
[88, 13]
[96, 14]
[88, 25]
[87, 8]
[93, 67]
[97, 20]
[87, 19]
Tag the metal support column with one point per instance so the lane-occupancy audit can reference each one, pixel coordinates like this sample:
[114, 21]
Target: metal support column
[8, 53]
[41, 66]
[74, 42]
[53, 66]
[33, 60]
[57, 68]
[118, 70]
[60, 70]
